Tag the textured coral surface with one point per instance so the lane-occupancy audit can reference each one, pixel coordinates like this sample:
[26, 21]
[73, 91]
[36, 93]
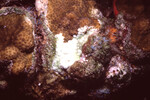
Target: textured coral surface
[16, 41]
[66, 16]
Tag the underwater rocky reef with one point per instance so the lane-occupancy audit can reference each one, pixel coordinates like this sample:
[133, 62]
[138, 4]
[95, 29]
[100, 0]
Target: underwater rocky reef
[74, 49]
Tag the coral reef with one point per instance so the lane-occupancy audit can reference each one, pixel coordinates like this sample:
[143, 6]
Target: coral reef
[73, 49]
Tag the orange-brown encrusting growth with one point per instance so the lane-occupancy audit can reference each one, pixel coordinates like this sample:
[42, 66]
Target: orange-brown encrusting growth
[112, 35]
[66, 16]
[16, 41]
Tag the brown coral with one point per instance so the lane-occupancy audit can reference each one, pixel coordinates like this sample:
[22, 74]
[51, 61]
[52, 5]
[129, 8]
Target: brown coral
[10, 52]
[24, 40]
[16, 41]
[21, 62]
[137, 12]
[68, 15]
[140, 33]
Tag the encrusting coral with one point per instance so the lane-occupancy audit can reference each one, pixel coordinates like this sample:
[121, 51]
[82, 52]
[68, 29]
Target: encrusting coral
[66, 16]
[16, 40]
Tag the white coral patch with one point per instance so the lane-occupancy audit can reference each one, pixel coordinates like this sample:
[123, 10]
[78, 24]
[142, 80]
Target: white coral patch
[41, 6]
[97, 14]
[70, 52]
[28, 20]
